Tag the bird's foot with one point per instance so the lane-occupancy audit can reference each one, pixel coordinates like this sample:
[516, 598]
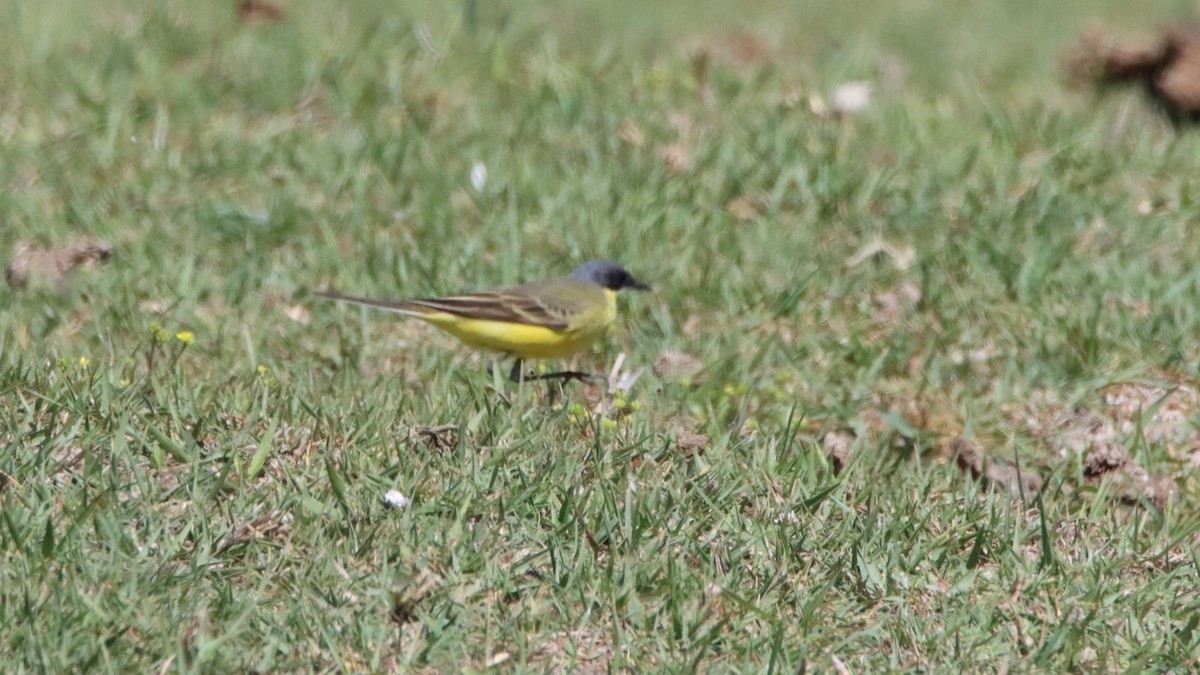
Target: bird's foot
[569, 375]
[516, 374]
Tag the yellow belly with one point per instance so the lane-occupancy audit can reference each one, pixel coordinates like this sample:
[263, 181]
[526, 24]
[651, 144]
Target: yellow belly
[522, 341]
[526, 341]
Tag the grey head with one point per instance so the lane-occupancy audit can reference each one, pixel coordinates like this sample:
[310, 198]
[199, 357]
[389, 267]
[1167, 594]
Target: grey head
[607, 275]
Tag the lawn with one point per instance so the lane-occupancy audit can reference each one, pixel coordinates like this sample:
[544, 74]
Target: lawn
[918, 386]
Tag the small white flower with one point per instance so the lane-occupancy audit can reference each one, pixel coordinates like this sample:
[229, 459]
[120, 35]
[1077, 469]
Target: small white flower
[788, 517]
[394, 499]
[851, 97]
[478, 176]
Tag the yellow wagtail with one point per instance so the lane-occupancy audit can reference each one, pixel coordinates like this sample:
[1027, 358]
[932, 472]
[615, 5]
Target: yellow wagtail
[554, 318]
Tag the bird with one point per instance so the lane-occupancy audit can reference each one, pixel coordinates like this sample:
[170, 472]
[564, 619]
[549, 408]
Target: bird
[553, 318]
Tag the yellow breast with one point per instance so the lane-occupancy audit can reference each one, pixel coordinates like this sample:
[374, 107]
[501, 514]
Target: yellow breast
[530, 342]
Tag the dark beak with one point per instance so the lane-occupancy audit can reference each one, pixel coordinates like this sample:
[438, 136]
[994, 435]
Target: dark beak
[637, 285]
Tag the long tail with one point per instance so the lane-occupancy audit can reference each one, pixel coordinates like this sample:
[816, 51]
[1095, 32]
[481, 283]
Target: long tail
[400, 307]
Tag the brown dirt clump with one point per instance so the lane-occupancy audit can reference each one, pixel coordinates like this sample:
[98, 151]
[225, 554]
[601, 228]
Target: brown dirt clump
[1133, 483]
[691, 442]
[406, 599]
[1105, 458]
[838, 446]
[1168, 70]
[1161, 410]
[54, 266]
[969, 455]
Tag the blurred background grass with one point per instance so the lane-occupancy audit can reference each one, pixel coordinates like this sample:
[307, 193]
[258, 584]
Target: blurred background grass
[235, 166]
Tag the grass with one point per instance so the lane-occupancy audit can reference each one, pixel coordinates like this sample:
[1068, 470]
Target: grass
[195, 453]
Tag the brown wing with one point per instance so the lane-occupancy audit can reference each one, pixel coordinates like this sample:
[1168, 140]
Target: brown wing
[511, 306]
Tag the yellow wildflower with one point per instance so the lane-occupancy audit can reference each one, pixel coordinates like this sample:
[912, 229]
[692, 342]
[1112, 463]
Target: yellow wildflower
[186, 337]
[158, 333]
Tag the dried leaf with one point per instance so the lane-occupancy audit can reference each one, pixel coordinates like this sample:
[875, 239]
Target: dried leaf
[672, 365]
[498, 659]
[677, 157]
[298, 313]
[154, 306]
[260, 11]
[631, 134]
[877, 250]
[745, 208]
[621, 380]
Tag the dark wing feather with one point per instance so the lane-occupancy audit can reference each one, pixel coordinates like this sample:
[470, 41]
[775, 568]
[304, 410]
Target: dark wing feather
[511, 306]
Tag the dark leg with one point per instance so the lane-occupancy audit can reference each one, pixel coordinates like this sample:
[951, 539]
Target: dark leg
[515, 374]
[568, 375]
